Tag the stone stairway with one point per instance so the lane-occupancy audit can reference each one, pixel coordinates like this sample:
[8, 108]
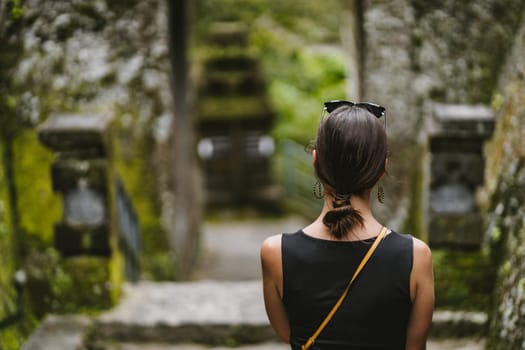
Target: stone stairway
[205, 315]
[215, 312]
[209, 312]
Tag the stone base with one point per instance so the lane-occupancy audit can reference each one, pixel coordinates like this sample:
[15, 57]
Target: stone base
[86, 284]
[65, 332]
[458, 324]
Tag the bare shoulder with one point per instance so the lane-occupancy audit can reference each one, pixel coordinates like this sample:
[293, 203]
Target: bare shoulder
[271, 247]
[271, 261]
[422, 276]
[421, 249]
[272, 242]
[422, 254]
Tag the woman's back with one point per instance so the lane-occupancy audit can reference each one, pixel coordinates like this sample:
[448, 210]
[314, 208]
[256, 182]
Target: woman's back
[390, 304]
[376, 312]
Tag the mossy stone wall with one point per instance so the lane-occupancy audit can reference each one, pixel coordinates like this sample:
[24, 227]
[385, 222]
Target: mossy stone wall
[415, 53]
[109, 58]
[504, 196]
[38, 208]
[459, 47]
[105, 57]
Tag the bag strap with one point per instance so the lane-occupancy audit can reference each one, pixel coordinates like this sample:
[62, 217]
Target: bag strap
[332, 312]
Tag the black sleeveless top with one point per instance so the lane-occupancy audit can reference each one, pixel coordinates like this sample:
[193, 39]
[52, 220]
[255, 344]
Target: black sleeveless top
[375, 313]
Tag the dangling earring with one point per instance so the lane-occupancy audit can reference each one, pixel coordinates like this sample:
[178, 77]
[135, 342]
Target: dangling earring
[380, 194]
[318, 190]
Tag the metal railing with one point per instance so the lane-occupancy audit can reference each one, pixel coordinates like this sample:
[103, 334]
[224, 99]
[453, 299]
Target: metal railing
[129, 234]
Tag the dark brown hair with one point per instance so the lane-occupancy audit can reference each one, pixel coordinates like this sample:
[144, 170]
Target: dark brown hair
[351, 150]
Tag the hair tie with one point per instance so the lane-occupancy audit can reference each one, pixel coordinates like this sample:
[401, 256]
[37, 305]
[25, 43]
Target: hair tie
[344, 198]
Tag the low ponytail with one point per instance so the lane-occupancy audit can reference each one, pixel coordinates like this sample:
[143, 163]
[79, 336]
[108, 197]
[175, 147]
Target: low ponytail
[343, 218]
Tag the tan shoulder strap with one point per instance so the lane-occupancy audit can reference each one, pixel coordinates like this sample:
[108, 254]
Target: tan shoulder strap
[332, 312]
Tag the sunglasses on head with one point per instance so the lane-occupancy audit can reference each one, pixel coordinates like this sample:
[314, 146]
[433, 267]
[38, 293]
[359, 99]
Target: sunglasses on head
[375, 109]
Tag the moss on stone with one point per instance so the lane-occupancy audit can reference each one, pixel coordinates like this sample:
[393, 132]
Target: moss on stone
[505, 207]
[116, 277]
[464, 43]
[14, 334]
[462, 280]
[85, 284]
[414, 222]
[6, 258]
[54, 77]
[231, 108]
[133, 165]
[40, 208]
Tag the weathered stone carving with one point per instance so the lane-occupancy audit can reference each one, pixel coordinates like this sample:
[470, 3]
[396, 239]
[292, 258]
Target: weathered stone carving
[456, 135]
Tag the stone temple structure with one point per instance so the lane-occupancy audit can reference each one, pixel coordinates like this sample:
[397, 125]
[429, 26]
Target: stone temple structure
[456, 136]
[234, 121]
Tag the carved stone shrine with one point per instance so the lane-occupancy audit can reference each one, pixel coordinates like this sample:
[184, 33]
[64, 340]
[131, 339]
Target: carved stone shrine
[456, 135]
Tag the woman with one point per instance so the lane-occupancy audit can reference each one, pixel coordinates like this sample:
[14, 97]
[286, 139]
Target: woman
[390, 304]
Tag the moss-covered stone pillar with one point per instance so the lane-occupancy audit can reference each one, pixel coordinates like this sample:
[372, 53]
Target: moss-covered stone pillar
[86, 237]
[454, 172]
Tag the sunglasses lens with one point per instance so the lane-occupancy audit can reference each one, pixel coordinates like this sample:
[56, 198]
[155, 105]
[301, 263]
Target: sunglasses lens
[376, 110]
[331, 106]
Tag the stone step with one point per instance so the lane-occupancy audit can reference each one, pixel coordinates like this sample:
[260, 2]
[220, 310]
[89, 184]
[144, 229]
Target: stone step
[448, 344]
[64, 332]
[189, 346]
[206, 315]
[219, 312]
[209, 312]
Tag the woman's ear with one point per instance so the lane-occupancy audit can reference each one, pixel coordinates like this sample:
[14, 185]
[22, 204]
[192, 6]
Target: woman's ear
[314, 157]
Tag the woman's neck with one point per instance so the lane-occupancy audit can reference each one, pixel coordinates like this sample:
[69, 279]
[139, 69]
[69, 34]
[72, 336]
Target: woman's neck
[371, 227]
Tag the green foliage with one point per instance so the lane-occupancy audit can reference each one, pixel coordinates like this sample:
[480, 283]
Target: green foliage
[8, 339]
[315, 20]
[301, 79]
[299, 50]
[68, 285]
[17, 11]
[44, 280]
[11, 337]
[231, 342]
[462, 280]
[85, 287]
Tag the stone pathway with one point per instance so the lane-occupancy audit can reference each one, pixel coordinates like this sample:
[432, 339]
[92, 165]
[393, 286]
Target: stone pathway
[462, 344]
[230, 247]
[217, 312]
[209, 312]
[223, 308]
[264, 346]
